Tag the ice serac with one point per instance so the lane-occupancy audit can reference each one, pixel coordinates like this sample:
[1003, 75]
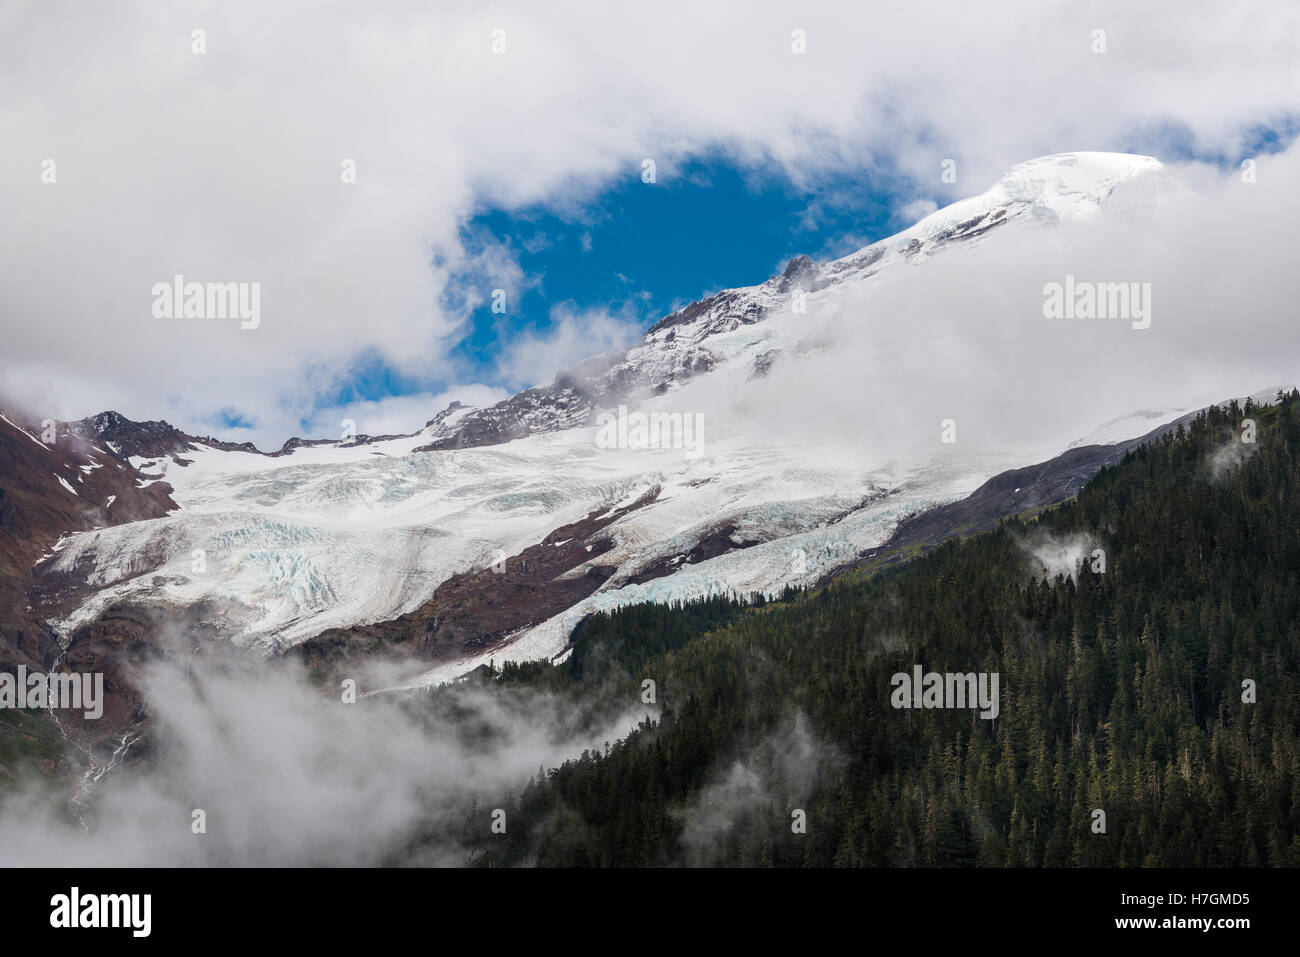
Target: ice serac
[362, 544]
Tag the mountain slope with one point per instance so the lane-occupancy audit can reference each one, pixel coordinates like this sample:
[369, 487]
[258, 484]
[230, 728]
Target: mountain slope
[413, 540]
[1123, 691]
[49, 490]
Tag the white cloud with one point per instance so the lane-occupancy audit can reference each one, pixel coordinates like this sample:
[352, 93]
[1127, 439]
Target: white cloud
[915, 211]
[397, 415]
[533, 357]
[288, 776]
[226, 165]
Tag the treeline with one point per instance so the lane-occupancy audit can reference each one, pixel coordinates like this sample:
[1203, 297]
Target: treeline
[1154, 692]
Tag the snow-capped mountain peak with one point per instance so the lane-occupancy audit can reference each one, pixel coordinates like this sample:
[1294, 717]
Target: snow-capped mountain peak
[339, 540]
[1068, 184]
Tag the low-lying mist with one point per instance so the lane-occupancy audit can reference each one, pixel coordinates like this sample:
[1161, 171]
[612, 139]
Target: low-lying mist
[287, 774]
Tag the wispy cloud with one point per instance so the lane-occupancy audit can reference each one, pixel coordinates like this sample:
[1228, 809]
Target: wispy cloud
[287, 774]
[533, 357]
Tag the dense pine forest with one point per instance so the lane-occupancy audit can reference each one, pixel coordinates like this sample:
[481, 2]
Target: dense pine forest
[1157, 685]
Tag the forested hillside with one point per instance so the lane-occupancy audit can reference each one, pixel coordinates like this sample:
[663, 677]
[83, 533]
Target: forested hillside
[1121, 691]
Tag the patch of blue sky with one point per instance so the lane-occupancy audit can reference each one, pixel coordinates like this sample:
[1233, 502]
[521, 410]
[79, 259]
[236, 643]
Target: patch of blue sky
[642, 250]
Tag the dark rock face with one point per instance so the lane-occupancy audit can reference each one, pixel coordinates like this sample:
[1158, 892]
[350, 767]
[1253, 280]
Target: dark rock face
[719, 540]
[72, 484]
[69, 485]
[1015, 492]
[692, 312]
[801, 273]
[455, 406]
[546, 409]
[573, 399]
[477, 611]
[123, 438]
